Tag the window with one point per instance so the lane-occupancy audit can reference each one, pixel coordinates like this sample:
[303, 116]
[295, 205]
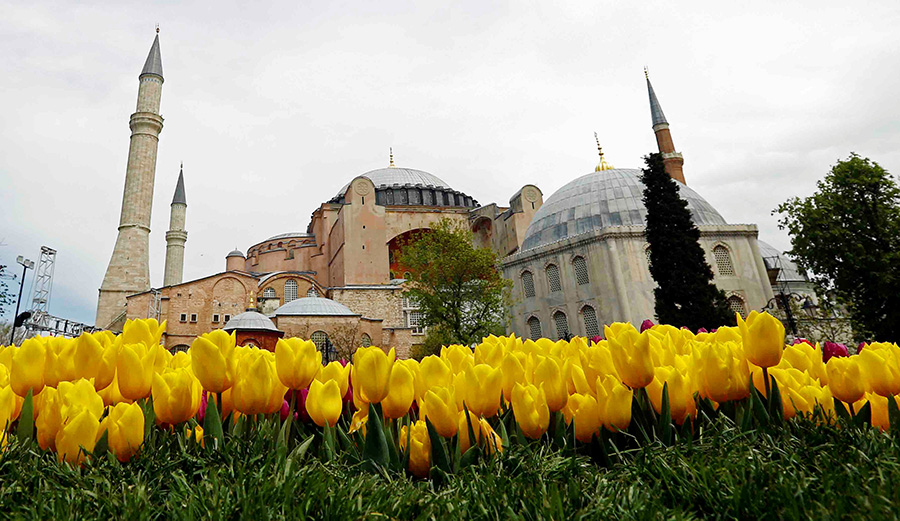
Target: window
[534, 327]
[647, 253]
[183, 317]
[215, 318]
[180, 348]
[562, 325]
[365, 340]
[591, 327]
[412, 316]
[269, 293]
[723, 260]
[290, 291]
[528, 284]
[313, 292]
[407, 275]
[193, 317]
[227, 318]
[581, 271]
[553, 278]
[736, 305]
[319, 338]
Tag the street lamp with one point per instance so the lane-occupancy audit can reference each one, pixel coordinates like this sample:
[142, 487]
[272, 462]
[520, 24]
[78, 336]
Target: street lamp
[785, 300]
[27, 264]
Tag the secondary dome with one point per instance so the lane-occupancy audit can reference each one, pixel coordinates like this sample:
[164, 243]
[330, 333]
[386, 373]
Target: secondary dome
[601, 199]
[314, 306]
[789, 271]
[250, 321]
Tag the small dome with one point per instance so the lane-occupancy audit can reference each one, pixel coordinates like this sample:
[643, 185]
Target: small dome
[386, 177]
[235, 253]
[601, 199]
[314, 306]
[250, 321]
[773, 258]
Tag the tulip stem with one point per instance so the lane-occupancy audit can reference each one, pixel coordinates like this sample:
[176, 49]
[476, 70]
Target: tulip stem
[852, 412]
[219, 403]
[766, 378]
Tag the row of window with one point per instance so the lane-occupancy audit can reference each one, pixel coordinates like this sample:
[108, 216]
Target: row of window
[215, 318]
[290, 291]
[561, 324]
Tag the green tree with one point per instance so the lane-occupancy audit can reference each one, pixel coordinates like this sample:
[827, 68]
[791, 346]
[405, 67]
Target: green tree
[458, 287]
[7, 297]
[685, 294]
[847, 235]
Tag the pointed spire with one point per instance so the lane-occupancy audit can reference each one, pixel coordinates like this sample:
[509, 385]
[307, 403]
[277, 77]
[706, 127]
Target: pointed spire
[602, 165]
[179, 197]
[391, 165]
[656, 111]
[153, 65]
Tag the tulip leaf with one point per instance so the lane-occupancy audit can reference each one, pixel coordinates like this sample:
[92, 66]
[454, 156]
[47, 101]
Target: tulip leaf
[504, 436]
[346, 444]
[665, 417]
[776, 407]
[470, 457]
[471, 432]
[102, 445]
[559, 429]
[25, 431]
[408, 450]
[840, 409]
[759, 408]
[893, 415]
[375, 453]
[284, 434]
[149, 416]
[212, 427]
[863, 415]
[328, 433]
[439, 457]
[394, 446]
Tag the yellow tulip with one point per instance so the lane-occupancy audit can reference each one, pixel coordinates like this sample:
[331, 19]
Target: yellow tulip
[372, 372]
[584, 410]
[298, 362]
[112, 395]
[402, 392]
[681, 394]
[614, 400]
[143, 331]
[59, 364]
[77, 436]
[845, 378]
[513, 371]
[196, 434]
[576, 380]
[439, 407]
[76, 396]
[549, 376]
[134, 369]
[763, 338]
[419, 448]
[93, 360]
[722, 371]
[458, 357]
[630, 352]
[176, 396]
[597, 362]
[181, 360]
[9, 407]
[27, 371]
[881, 369]
[483, 387]
[359, 420]
[49, 418]
[433, 372]
[257, 388]
[529, 405]
[491, 354]
[879, 406]
[334, 371]
[212, 360]
[125, 430]
[324, 403]
[482, 431]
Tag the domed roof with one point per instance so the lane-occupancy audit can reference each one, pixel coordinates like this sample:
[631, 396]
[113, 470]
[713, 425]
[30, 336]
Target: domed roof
[601, 199]
[773, 258]
[314, 306]
[250, 321]
[393, 175]
[235, 253]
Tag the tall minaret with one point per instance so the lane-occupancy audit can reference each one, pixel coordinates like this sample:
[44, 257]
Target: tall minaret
[176, 236]
[129, 267]
[673, 160]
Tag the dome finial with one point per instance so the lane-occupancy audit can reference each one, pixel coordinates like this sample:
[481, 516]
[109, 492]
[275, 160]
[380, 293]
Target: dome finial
[602, 165]
[391, 165]
[646, 73]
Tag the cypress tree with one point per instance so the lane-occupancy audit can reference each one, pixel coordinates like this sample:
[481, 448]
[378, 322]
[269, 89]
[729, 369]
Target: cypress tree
[685, 294]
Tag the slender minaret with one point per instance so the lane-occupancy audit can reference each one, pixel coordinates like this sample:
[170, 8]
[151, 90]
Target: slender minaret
[673, 160]
[129, 267]
[176, 236]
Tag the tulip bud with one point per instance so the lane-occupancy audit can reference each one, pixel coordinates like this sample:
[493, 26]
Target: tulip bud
[298, 362]
[77, 437]
[419, 448]
[125, 430]
[763, 338]
[176, 396]
[439, 406]
[27, 371]
[371, 372]
[483, 385]
[212, 360]
[402, 393]
[631, 355]
[529, 405]
[134, 368]
[324, 403]
[257, 387]
[845, 378]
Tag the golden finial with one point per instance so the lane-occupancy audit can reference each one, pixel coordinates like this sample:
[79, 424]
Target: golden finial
[392, 158]
[602, 165]
[157, 28]
[646, 72]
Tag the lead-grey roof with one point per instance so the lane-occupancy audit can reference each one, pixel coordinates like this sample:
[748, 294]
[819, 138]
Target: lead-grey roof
[235, 253]
[314, 306]
[153, 65]
[390, 176]
[250, 321]
[601, 199]
[179, 197]
[289, 235]
[656, 111]
[773, 258]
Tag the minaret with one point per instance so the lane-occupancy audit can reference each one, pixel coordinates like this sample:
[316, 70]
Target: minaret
[176, 236]
[673, 160]
[129, 267]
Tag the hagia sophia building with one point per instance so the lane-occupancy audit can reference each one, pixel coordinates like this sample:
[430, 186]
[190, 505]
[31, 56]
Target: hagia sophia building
[577, 259]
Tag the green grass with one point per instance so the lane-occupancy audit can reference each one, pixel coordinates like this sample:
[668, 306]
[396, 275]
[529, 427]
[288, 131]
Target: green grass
[801, 471]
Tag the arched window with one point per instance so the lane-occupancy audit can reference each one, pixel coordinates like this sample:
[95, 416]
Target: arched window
[591, 327]
[290, 291]
[647, 253]
[269, 293]
[528, 284]
[312, 292]
[365, 340]
[319, 338]
[534, 327]
[736, 305]
[562, 325]
[553, 278]
[581, 271]
[723, 260]
[179, 348]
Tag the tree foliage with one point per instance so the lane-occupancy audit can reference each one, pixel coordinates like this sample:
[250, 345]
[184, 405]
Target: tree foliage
[685, 294]
[847, 235]
[458, 287]
[7, 297]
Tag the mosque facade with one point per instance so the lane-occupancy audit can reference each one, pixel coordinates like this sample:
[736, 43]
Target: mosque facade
[577, 260]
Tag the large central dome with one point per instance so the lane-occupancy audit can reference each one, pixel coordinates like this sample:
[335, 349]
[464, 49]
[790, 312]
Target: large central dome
[601, 199]
[390, 176]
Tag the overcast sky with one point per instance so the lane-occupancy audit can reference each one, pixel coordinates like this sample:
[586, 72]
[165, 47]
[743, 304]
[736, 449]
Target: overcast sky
[273, 109]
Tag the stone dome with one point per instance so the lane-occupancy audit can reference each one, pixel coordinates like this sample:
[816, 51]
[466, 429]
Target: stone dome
[250, 321]
[601, 199]
[314, 306]
[235, 253]
[390, 176]
[789, 271]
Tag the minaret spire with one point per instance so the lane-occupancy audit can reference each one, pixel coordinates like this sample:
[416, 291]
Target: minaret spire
[391, 165]
[602, 165]
[177, 235]
[673, 160]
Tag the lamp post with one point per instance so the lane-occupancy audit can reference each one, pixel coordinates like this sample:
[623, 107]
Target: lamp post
[27, 264]
[785, 300]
